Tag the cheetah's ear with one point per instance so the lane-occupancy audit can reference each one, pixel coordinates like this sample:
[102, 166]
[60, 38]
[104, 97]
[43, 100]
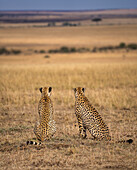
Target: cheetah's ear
[40, 89]
[74, 90]
[50, 88]
[83, 89]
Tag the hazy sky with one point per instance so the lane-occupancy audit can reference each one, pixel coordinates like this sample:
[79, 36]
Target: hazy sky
[65, 4]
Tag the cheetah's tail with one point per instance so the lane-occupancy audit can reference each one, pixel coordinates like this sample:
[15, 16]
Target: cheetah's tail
[31, 142]
[126, 141]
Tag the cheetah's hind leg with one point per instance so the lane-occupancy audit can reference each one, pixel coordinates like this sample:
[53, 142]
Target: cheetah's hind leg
[52, 128]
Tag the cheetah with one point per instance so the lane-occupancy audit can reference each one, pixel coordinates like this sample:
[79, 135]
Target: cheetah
[89, 119]
[45, 127]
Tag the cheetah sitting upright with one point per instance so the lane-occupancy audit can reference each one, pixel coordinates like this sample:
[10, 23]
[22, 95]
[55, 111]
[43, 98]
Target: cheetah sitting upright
[89, 118]
[44, 128]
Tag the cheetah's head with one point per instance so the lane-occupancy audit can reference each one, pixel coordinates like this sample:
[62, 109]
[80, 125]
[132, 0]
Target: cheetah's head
[78, 91]
[45, 91]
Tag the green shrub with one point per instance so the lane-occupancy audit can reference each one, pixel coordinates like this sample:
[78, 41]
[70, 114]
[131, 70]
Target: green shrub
[51, 24]
[94, 50]
[73, 50]
[65, 24]
[42, 51]
[122, 45]
[132, 46]
[69, 24]
[15, 51]
[4, 51]
[96, 19]
[64, 50]
[46, 56]
[53, 51]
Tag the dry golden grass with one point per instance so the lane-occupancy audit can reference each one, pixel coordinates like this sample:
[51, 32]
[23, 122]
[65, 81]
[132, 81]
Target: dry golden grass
[54, 37]
[23, 81]
[111, 88]
[110, 80]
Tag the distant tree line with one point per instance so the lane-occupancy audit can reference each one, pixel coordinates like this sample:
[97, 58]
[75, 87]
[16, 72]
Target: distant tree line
[64, 49]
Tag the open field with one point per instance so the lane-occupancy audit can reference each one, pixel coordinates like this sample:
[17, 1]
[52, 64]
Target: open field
[54, 37]
[110, 79]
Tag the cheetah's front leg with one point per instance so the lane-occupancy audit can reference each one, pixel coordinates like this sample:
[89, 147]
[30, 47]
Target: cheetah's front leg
[82, 129]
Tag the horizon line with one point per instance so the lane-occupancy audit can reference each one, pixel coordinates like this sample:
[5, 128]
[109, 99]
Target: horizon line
[66, 10]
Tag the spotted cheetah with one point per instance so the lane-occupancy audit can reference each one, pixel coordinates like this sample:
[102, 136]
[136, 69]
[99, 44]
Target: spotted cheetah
[44, 128]
[89, 119]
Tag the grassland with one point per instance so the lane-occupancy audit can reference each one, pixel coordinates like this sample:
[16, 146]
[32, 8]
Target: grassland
[110, 79]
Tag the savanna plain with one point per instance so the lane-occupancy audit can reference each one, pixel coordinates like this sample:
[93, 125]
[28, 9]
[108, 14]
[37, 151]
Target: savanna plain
[110, 80]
